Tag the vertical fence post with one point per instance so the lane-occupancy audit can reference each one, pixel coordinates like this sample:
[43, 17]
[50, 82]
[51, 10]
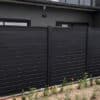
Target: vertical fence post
[48, 58]
[86, 51]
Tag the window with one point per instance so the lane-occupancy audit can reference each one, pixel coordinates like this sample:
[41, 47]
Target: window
[63, 24]
[72, 1]
[85, 2]
[55, 0]
[77, 2]
[14, 22]
[1, 23]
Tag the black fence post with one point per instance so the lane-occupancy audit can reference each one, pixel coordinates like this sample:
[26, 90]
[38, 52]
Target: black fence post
[86, 51]
[48, 57]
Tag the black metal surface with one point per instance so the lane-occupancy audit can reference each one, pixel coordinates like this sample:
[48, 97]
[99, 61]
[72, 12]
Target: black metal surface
[67, 48]
[23, 59]
[94, 51]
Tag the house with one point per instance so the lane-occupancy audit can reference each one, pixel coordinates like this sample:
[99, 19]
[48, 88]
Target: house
[43, 41]
[49, 12]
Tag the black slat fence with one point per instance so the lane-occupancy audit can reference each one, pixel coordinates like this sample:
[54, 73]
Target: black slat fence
[40, 56]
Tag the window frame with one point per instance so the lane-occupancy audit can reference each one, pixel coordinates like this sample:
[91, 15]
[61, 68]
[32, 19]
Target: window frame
[11, 20]
[70, 24]
[61, 23]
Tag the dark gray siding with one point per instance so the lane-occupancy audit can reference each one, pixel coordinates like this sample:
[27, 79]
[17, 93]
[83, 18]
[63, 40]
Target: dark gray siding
[97, 19]
[35, 14]
[97, 2]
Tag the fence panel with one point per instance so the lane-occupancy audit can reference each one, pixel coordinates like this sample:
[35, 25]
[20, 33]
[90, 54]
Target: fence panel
[67, 53]
[94, 51]
[23, 59]
[35, 57]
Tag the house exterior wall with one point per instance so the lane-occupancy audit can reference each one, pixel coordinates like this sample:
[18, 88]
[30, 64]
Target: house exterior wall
[96, 19]
[97, 2]
[34, 14]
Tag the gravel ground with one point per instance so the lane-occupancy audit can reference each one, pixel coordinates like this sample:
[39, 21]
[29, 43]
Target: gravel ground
[74, 94]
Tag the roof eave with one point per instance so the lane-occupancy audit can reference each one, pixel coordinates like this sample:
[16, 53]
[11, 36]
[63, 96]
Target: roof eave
[54, 5]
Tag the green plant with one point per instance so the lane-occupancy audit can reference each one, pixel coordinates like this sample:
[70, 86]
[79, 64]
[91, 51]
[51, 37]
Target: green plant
[85, 76]
[32, 90]
[31, 93]
[23, 98]
[54, 90]
[64, 83]
[85, 80]
[80, 84]
[23, 95]
[30, 97]
[14, 98]
[83, 83]
[46, 91]
[91, 82]
[36, 96]
[97, 81]
[61, 89]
